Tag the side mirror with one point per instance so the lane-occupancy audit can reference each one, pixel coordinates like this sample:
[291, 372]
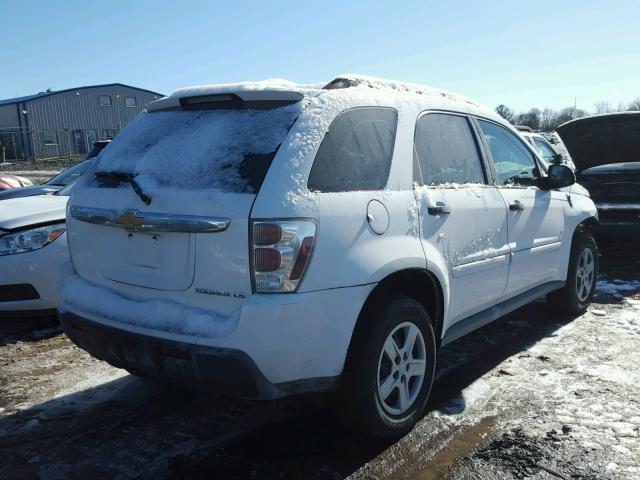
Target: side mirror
[558, 176]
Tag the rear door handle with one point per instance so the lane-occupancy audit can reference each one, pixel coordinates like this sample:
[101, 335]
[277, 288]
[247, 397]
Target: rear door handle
[440, 208]
[516, 206]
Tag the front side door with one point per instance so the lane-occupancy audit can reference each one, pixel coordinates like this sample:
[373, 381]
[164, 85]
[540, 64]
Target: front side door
[535, 216]
[461, 215]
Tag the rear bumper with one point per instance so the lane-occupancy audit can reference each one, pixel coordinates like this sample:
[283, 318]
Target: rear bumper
[223, 370]
[282, 345]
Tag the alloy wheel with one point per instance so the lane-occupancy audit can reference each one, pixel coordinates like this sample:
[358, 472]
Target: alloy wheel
[584, 274]
[401, 368]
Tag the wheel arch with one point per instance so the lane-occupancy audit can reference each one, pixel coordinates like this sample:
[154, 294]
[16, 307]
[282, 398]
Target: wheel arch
[588, 224]
[417, 283]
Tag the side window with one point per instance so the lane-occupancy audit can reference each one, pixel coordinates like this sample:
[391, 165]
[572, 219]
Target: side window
[446, 150]
[544, 149]
[356, 152]
[514, 163]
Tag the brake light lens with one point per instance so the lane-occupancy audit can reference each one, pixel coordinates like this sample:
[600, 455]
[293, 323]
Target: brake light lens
[281, 251]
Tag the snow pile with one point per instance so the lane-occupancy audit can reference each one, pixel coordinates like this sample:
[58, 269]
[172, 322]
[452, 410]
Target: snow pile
[196, 149]
[617, 287]
[271, 84]
[356, 80]
[84, 297]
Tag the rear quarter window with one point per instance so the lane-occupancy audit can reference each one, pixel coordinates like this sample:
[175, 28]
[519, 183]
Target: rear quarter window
[356, 152]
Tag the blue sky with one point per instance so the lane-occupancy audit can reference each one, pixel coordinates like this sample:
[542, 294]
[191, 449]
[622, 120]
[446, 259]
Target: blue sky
[521, 54]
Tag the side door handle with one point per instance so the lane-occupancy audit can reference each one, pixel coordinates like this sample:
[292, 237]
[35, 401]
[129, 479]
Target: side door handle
[440, 208]
[516, 206]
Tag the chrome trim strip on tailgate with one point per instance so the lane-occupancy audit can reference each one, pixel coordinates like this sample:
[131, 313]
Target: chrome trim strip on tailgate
[618, 206]
[133, 220]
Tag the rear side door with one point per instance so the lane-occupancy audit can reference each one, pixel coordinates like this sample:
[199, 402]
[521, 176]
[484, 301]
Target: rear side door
[535, 217]
[461, 215]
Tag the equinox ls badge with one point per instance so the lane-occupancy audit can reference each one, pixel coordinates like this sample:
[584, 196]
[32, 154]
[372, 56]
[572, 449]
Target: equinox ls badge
[219, 293]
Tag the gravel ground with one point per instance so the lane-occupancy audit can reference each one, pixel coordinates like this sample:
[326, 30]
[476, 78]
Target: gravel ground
[533, 395]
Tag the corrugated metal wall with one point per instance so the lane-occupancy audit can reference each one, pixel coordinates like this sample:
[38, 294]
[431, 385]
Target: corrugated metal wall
[8, 117]
[69, 122]
[81, 109]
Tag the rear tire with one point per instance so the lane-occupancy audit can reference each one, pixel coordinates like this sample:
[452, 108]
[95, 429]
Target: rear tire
[389, 372]
[582, 274]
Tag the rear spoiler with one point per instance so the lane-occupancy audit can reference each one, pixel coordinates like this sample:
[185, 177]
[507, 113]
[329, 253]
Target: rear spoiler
[249, 99]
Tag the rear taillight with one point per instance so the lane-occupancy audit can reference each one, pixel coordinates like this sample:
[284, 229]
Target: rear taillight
[281, 250]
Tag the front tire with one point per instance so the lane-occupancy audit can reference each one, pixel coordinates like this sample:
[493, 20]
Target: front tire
[389, 372]
[582, 275]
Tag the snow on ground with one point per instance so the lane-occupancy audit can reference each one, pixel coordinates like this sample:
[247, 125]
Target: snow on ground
[565, 406]
[617, 287]
[45, 366]
[533, 395]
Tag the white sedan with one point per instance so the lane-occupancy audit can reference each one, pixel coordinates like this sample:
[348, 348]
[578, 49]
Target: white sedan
[33, 245]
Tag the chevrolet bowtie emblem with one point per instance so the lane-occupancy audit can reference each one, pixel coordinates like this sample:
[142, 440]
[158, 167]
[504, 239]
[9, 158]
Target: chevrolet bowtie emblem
[130, 220]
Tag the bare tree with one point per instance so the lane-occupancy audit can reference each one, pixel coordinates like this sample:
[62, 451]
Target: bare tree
[634, 105]
[530, 119]
[621, 107]
[570, 113]
[548, 120]
[505, 112]
[602, 107]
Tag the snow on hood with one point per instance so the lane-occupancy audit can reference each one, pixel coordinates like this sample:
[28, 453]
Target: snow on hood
[602, 139]
[25, 211]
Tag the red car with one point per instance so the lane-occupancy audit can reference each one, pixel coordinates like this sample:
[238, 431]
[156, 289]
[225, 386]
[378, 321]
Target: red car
[8, 181]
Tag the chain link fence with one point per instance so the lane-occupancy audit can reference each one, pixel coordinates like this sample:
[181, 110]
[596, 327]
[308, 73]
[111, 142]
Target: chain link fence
[17, 145]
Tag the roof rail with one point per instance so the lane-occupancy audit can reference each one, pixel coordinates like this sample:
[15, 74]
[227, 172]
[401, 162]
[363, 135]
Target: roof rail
[340, 82]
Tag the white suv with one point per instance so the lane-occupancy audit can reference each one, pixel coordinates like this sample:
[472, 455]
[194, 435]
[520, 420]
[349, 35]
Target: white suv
[267, 239]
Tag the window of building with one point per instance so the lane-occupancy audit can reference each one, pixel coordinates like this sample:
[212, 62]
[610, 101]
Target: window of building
[514, 163]
[50, 137]
[356, 152]
[105, 100]
[130, 101]
[446, 150]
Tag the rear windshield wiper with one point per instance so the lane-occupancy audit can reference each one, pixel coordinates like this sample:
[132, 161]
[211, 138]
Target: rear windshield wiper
[113, 179]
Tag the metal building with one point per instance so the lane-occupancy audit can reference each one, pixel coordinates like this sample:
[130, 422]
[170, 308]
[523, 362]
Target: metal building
[67, 122]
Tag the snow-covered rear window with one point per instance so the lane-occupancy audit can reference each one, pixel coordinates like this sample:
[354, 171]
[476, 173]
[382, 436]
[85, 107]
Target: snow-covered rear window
[229, 150]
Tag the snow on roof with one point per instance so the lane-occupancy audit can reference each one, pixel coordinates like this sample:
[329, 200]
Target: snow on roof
[272, 84]
[600, 115]
[346, 82]
[355, 80]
